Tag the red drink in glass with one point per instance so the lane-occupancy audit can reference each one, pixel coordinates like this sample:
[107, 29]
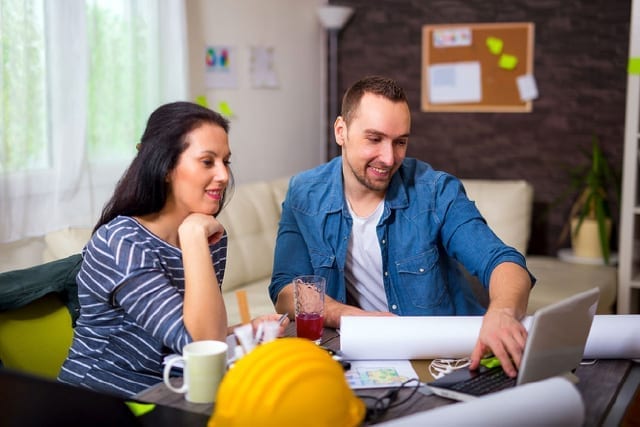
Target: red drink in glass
[310, 326]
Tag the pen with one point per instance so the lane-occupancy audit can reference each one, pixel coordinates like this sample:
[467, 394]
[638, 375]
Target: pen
[281, 319]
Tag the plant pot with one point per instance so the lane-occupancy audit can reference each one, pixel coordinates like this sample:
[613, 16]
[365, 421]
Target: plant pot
[586, 243]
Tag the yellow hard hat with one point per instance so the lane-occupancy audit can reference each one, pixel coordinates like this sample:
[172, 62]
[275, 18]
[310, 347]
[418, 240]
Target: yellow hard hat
[286, 382]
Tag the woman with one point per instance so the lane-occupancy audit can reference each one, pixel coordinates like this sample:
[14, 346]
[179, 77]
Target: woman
[151, 273]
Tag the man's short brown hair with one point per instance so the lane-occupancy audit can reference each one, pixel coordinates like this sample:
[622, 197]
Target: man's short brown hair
[376, 85]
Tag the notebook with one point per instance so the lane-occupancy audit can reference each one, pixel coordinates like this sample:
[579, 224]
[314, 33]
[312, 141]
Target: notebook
[555, 345]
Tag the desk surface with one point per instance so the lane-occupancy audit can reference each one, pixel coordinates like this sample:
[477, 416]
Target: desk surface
[606, 386]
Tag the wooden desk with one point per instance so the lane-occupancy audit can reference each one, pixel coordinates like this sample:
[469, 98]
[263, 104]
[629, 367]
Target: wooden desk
[607, 387]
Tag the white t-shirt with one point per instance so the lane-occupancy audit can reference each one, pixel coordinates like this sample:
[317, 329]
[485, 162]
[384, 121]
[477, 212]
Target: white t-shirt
[363, 266]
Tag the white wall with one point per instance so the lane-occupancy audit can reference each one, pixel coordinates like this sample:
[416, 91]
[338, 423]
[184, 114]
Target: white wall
[274, 132]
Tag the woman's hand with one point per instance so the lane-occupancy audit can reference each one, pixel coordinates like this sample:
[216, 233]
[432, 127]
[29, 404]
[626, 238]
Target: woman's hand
[275, 317]
[201, 223]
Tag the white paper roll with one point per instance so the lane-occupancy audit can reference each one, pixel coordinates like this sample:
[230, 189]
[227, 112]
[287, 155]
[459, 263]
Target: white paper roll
[432, 337]
[408, 337]
[614, 336]
[551, 402]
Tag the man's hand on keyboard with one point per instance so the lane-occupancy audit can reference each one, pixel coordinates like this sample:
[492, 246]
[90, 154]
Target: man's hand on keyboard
[502, 335]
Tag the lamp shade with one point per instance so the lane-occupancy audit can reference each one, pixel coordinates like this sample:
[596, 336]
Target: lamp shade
[334, 17]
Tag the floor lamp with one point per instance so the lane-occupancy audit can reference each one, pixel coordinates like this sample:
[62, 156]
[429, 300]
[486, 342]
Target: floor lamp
[333, 18]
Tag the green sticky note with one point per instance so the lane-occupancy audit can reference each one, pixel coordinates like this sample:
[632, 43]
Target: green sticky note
[634, 66]
[140, 409]
[202, 100]
[225, 109]
[508, 62]
[495, 45]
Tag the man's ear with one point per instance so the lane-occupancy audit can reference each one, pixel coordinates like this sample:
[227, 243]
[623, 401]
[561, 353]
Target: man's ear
[340, 130]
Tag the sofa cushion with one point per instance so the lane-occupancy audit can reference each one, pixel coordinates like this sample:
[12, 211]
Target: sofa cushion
[251, 221]
[63, 243]
[506, 206]
[21, 253]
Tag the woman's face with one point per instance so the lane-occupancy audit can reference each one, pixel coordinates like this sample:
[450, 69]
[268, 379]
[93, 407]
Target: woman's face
[201, 175]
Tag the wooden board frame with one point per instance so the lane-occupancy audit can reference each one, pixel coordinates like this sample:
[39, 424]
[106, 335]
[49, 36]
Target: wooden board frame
[499, 88]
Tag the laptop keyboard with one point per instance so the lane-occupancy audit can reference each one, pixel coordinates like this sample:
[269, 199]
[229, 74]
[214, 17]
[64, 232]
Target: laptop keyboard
[487, 382]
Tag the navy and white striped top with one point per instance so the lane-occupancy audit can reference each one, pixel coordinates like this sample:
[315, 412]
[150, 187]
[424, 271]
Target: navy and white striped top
[131, 292]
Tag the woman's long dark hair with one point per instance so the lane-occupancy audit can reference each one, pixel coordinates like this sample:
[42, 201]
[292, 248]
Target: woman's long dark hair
[143, 188]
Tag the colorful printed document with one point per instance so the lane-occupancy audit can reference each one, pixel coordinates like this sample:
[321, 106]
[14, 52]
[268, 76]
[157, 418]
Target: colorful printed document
[379, 373]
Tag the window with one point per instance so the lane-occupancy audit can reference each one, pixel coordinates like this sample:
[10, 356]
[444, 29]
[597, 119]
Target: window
[123, 86]
[78, 80]
[23, 110]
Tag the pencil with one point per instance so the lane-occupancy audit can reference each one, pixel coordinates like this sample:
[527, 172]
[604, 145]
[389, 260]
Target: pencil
[243, 306]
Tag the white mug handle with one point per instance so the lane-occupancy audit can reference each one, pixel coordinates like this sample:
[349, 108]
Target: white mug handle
[167, 372]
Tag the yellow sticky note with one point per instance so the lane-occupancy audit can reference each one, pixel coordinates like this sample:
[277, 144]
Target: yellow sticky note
[495, 45]
[634, 66]
[140, 409]
[202, 100]
[508, 62]
[225, 109]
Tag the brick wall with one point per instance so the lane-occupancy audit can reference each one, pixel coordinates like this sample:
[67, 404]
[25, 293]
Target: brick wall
[580, 58]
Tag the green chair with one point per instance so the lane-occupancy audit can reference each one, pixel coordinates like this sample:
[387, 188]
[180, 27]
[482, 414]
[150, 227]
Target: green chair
[36, 337]
[38, 309]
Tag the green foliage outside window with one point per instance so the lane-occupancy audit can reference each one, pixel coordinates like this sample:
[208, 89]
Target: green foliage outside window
[23, 110]
[121, 92]
[121, 89]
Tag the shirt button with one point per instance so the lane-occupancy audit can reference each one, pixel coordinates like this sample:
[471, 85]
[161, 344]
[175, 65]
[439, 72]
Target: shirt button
[394, 307]
[386, 273]
[384, 241]
[421, 270]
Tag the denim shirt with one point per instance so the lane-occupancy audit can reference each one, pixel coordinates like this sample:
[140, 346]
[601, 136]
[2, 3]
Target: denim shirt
[427, 227]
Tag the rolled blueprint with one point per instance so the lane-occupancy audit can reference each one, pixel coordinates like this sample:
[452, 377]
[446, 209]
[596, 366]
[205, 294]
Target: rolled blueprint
[391, 338]
[432, 337]
[551, 402]
[614, 336]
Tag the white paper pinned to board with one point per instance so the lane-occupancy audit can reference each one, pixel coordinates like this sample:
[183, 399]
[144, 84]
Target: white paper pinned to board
[455, 82]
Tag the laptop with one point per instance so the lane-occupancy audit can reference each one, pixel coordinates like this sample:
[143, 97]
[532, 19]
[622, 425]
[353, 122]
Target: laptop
[555, 346]
[32, 401]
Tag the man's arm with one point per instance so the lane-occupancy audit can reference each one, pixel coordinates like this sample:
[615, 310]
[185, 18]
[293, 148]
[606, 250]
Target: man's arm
[333, 310]
[501, 332]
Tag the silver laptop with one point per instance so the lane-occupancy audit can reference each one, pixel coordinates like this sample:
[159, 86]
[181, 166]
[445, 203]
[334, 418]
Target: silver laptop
[555, 346]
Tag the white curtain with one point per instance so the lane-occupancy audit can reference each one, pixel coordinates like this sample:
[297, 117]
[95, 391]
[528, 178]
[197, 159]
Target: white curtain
[72, 192]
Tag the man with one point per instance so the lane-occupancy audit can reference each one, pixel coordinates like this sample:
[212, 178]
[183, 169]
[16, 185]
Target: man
[387, 232]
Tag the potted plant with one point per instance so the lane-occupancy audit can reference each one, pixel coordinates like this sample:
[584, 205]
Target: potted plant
[590, 215]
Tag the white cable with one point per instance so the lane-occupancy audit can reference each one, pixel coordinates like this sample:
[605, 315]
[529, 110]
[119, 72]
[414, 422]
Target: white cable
[440, 367]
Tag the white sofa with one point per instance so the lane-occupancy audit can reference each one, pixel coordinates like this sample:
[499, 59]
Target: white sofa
[251, 220]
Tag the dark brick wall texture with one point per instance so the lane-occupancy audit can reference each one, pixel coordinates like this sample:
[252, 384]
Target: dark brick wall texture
[580, 59]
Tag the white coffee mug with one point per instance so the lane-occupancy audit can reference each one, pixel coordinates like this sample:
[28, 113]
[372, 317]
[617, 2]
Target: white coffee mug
[205, 363]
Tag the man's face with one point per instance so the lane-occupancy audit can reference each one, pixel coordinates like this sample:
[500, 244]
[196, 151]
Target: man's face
[375, 143]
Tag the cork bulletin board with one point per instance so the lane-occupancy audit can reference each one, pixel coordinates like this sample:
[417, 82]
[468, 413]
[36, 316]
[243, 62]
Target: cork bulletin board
[478, 67]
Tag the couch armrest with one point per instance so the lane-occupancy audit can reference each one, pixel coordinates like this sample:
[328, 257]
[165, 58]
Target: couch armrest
[507, 207]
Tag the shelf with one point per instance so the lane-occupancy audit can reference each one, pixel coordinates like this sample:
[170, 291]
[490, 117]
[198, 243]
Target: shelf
[567, 255]
[628, 270]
